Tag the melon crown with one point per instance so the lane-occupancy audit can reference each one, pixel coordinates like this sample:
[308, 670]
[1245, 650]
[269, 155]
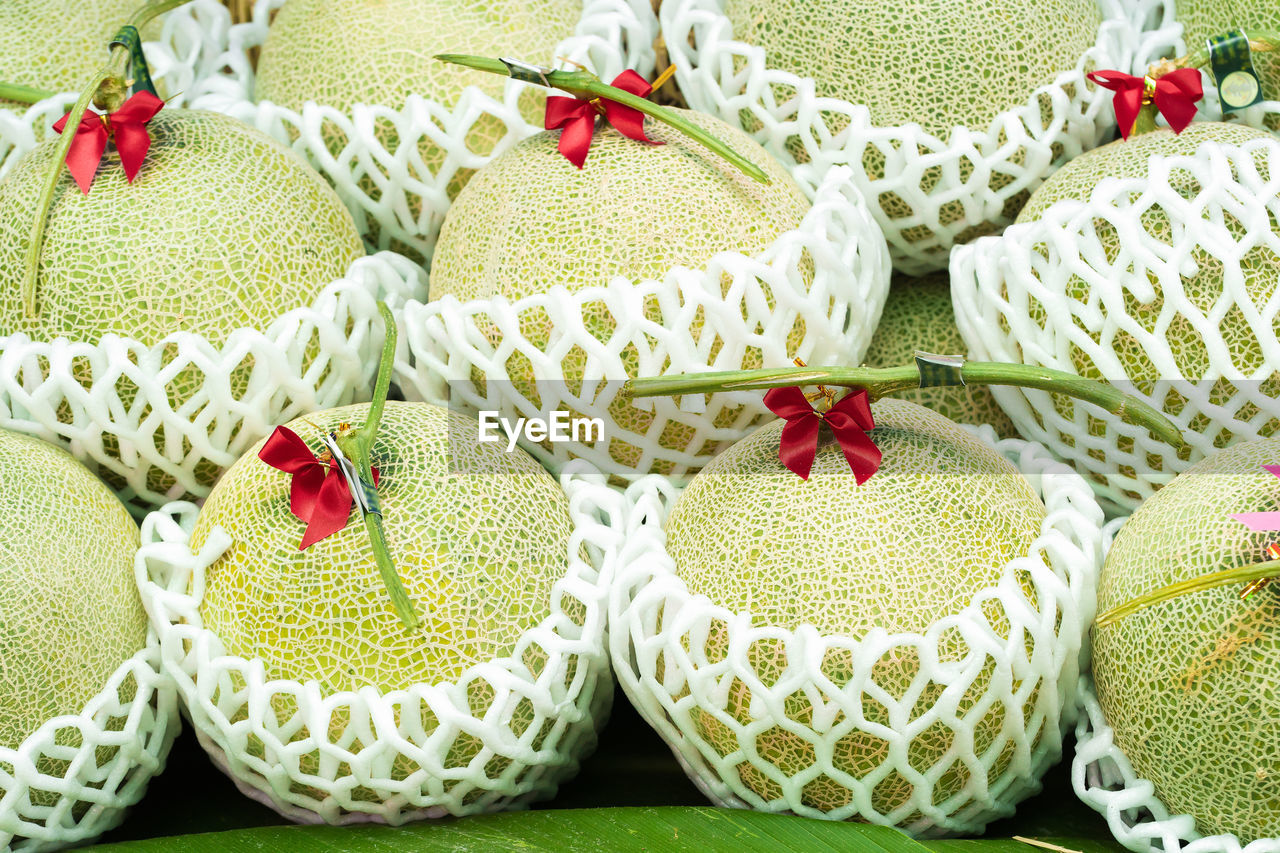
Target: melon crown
[587, 86]
[107, 91]
[927, 370]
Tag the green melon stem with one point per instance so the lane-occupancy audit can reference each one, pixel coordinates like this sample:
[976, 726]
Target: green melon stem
[1241, 575]
[1261, 41]
[23, 94]
[883, 381]
[584, 84]
[107, 89]
[358, 447]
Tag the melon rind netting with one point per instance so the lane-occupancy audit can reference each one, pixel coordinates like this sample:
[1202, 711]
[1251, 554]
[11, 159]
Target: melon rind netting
[1162, 38]
[709, 318]
[1104, 780]
[611, 36]
[1017, 147]
[1034, 665]
[995, 280]
[178, 59]
[312, 358]
[91, 794]
[229, 700]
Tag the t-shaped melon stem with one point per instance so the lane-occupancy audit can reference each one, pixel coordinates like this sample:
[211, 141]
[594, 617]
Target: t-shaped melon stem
[358, 447]
[108, 90]
[884, 381]
[584, 84]
[1266, 570]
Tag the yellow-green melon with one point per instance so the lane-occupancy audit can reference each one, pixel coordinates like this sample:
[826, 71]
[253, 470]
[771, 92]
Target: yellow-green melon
[1189, 684]
[938, 523]
[530, 221]
[1201, 19]
[479, 536]
[70, 613]
[223, 228]
[57, 45]
[918, 316]
[938, 63]
[339, 53]
[1204, 288]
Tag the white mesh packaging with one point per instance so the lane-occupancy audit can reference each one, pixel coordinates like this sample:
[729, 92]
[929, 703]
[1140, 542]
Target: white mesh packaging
[108, 401]
[659, 640]
[353, 774]
[395, 193]
[927, 193]
[829, 278]
[1017, 298]
[1164, 37]
[73, 778]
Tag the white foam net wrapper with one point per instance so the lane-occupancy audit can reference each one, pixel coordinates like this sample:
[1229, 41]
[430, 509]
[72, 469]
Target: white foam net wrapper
[828, 277]
[1163, 37]
[233, 707]
[178, 58]
[933, 192]
[396, 193]
[73, 779]
[1014, 302]
[108, 401]
[659, 638]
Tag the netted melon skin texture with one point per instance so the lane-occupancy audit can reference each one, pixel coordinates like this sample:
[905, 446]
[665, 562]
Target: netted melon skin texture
[1188, 685]
[71, 611]
[938, 63]
[1204, 18]
[479, 537]
[846, 559]
[314, 45]
[1260, 265]
[223, 228]
[531, 221]
[918, 316]
[57, 45]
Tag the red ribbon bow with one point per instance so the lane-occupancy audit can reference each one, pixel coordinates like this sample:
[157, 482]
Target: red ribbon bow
[318, 494]
[1175, 95]
[849, 419]
[126, 126]
[577, 118]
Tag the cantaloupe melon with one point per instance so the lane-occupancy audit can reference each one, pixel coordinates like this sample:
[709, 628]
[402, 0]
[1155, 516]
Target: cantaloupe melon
[1203, 287]
[478, 536]
[938, 63]
[1201, 19]
[530, 221]
[70, 614]
[1188, 684]
[57, 45]
[223, 229]
[939, 522]
[344, 52]
[918, 316]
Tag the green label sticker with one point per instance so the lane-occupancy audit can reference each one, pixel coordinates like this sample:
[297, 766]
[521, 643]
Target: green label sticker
[1232, 64]
[139, 73]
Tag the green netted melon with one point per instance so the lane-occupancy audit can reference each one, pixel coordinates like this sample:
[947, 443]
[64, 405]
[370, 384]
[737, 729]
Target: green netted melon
[936, 63]
[344, 52]
[937, 524]
[478, 536]
[1204, 18]
[223, 228]
[70, 614]
[57, 45]
[918, 316]
[1261, 266]
[531, 220]
[1189, 684]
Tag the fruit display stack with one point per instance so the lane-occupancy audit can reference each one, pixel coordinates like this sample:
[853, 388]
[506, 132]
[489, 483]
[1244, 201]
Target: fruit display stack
[640, 425]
